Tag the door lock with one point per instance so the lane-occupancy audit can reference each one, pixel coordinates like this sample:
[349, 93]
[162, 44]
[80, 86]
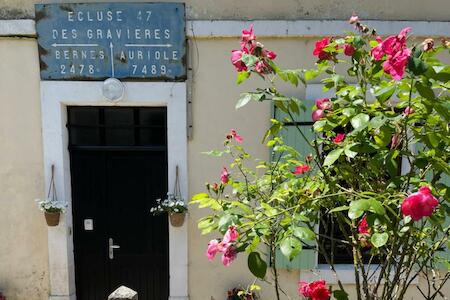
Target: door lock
[111, 248]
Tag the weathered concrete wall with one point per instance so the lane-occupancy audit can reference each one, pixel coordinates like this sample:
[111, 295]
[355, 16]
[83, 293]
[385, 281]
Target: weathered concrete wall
[282, 9]
[23, 238]
[23, 233]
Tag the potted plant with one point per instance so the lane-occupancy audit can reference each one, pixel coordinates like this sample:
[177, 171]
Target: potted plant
[51, 206]
[52, 209]
[242, 294]
[174, 205]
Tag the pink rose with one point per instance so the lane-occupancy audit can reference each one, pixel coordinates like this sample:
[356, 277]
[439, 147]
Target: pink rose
[353, 19]
[260, 67]
[428, 45]
[248, 38]
[397, 53]
[269, 54]
[349, 50]
[339, 138]
[229, 256]
[420, 204]
[324, 103]
[212, 249]
[378, 52]
[317, 115]
[408, 111]
[236, 60]
[394, 141]
[395, 64]
[303, 289]
[224, 175]
[231, 235]
[300, 169]
[236, 136]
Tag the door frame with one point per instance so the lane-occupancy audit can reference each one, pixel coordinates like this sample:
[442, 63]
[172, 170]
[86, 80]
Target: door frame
[55, 97]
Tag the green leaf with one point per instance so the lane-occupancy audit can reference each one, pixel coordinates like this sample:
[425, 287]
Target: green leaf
[417, 66]
[290, 247]
[425, 91]
[245, 98]
[256, 265]
[377, 122]
[245, 208]
[200, 196]
[333, 156]
[338, 209]
[340, 295]
[349, 152]
[311, 74]
[292, 76]
[249, 60]
[376, 207]
[379, 239]
[360, 121]
[273, 130]
[215, 153]
[443, 109]
[242, 76]
[385, 93]
[225, 221]
[269, 210]
[348, 112]
[384, 136]
[357, 208]
[358, 41]
[304, 233]
[433, 138]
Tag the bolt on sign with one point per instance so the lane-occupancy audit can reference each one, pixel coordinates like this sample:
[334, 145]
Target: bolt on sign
[95, 41]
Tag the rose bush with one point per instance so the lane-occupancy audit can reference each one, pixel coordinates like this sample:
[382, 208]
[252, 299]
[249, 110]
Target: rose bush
[379, 172]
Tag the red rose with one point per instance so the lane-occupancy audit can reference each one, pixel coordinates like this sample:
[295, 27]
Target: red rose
[319, 50]
[316, 290]
[300, 169]
[420, 204]
[339, 138]
[319, 290]
[349, 50]
[363, 227]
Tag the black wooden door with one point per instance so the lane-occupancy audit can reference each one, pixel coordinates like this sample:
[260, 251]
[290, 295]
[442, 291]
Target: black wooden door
[113, 189]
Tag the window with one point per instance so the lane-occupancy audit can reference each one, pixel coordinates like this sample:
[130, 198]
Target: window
[117, 126]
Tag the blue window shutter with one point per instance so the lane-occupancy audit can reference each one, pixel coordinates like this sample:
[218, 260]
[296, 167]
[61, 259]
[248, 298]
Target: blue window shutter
[308, 257]
[304, 261]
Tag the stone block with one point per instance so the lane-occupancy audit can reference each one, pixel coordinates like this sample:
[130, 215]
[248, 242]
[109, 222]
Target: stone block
[123, 292]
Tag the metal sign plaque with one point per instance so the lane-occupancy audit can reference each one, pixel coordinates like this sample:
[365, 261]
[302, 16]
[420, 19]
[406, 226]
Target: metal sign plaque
[144, 41]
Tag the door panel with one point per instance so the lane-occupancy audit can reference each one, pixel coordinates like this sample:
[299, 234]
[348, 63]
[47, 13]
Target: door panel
[88, 202]
[116, 189]
[132, 180]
